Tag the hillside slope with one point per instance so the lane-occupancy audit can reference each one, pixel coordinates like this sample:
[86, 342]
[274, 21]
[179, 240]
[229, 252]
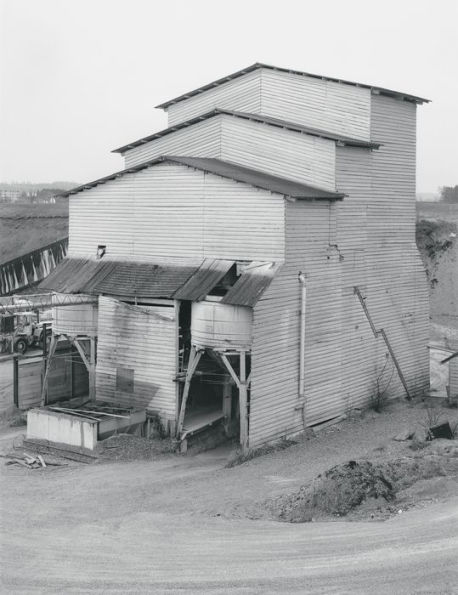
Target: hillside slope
[28, 227]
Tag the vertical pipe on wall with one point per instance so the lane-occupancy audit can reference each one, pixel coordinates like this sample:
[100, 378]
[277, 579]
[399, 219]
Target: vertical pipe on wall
[302, 343]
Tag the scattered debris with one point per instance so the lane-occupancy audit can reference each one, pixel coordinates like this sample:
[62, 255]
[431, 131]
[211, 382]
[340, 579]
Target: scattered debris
[29, 461]
[63, 451]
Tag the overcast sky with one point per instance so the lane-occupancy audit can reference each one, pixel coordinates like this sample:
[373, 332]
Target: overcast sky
[81, 77]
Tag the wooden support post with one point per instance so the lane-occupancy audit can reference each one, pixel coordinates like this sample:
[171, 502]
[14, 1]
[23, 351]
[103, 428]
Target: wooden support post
[194, 358]
[92, 370]
[227, 404]
[16, 380]
[52, 350]
[243, 399]
[242, 384]
[88, 360]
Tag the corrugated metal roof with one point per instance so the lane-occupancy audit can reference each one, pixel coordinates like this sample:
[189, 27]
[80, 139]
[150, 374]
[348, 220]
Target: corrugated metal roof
[278, 123]
[203, 280]
[144, 280]
[252, 283]
[70, 275]
[123, 279]
[258, 65]
[147, 280]
[224, 169]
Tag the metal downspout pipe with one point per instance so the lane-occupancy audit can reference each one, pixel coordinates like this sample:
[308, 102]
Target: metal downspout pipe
[302, 345]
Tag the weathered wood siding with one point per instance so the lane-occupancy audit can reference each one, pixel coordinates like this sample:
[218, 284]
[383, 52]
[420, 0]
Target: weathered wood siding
[137, 357]
[199, 140]
[343, 109]
[170, 212]
[376, 231]
[397, 288]
[280, 152]
[366, 240]
[310, 234]
[284, 153]
[241, 94]
[334, 107]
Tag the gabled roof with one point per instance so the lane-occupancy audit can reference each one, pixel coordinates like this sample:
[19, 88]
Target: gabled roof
[258, 65]
[224, 169]
[140, 280]
[275, 122]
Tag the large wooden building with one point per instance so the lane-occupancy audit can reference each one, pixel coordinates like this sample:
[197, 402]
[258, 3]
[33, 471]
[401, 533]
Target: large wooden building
[284, 204]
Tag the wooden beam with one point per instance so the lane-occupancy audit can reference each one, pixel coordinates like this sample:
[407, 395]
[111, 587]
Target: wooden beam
[231, 370]
[243, 402]
[52, 350]
[92, 369]
[81, 351]
[194, 358]
[227, 404]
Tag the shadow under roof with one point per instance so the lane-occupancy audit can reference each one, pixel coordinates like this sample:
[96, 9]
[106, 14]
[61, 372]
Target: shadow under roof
[225, 169]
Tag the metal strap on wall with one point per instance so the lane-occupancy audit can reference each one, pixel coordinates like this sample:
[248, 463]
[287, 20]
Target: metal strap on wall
[381, 333]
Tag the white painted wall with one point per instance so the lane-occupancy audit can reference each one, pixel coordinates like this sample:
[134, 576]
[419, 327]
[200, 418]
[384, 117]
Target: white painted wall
[169, 212]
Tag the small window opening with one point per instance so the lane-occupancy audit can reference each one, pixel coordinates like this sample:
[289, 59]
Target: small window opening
[227, 281]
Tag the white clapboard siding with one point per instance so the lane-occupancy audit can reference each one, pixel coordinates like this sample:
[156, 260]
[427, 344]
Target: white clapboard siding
[142, 339]
[274, 150]
[242, 94]
[342, 109]
[359, 355]
[391, 212]
[376, 225]
[281, 152]
[169, 212]
[199, 140]
[275, 357]
[397, 288]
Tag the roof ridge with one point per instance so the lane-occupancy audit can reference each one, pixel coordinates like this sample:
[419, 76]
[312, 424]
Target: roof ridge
[258, 65]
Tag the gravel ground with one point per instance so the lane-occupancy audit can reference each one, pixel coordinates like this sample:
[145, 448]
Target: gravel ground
[200, 483]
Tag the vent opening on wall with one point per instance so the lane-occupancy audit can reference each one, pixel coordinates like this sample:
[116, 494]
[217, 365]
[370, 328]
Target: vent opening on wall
[101, 250]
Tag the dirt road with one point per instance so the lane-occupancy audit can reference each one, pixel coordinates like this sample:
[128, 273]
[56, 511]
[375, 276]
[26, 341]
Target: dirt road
[110, 529]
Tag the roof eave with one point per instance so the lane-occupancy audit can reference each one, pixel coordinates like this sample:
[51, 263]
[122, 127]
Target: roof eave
[321, 194]
[267, 120]
[258, 65]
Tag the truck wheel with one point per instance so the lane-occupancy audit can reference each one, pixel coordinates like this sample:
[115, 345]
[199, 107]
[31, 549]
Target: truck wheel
[20, 346]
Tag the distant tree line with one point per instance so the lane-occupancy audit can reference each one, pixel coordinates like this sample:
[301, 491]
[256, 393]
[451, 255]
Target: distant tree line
[449, 194]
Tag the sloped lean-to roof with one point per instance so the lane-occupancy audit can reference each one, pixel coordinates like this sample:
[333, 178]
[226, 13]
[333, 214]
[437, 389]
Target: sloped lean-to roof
[258, 65]
[122, 279]
[224, 169]
[136, 280]
[275, 122]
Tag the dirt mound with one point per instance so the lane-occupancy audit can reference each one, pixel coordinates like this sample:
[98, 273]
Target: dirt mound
[343, 488]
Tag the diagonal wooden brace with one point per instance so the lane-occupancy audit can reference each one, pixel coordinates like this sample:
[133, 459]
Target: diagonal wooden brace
[194, 358]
